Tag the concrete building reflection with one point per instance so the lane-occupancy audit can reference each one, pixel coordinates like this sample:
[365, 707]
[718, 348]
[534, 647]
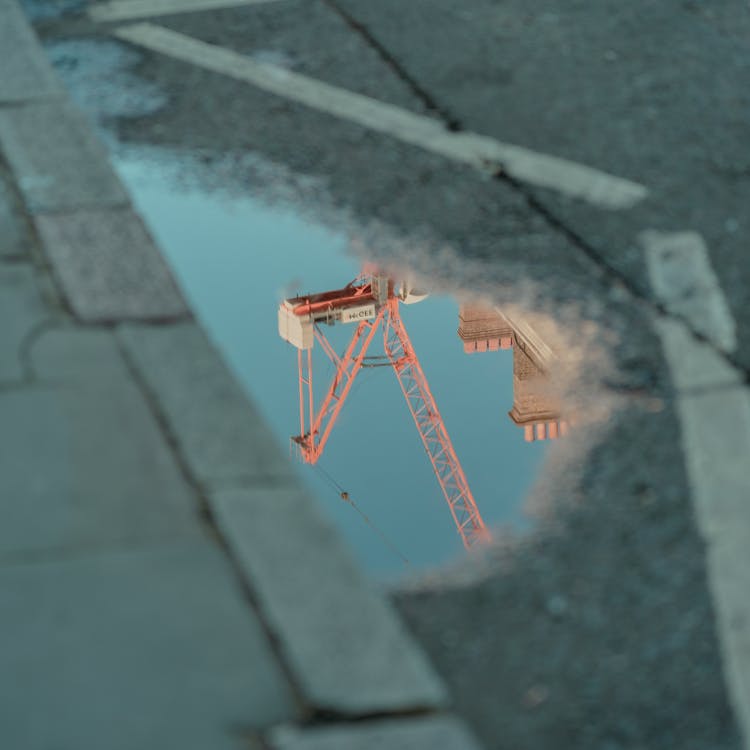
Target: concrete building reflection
[536, 400]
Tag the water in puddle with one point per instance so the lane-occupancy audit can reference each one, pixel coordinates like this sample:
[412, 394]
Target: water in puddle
[237, 259]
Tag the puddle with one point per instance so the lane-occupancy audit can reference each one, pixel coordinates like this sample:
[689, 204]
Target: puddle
[238, 259]
[489, 372]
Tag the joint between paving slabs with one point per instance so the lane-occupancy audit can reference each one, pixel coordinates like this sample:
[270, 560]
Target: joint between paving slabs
[152, 401]
[27, 344]
[310, 714]
[207, 515]
[34, 256]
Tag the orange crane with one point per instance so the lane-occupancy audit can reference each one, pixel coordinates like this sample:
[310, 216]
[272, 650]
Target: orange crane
[371, 303]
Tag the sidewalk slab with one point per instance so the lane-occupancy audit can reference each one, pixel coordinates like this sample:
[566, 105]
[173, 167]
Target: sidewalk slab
[26, 74]
[21, 309]
[83, 462]
[56, 159]
[434, 733]
[347, 649]
[148, 649]
[108, 266]
[218, 430]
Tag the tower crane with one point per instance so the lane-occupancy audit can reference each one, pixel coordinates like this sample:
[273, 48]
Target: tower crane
[371, 303]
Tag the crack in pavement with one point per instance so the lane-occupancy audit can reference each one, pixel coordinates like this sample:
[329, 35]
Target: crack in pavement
[431, 104]
[537, 206]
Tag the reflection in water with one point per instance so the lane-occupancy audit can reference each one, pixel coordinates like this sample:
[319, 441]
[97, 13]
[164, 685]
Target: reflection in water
[371, 302]
[236, 258]
[536, 399]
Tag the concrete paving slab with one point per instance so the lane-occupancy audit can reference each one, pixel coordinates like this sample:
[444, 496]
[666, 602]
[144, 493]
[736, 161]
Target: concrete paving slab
[21, 309]
[13, 242]
[348, 651]
[221, 434]
[146, 649]
[84, 464]
[26, 73]
[59, 164]
[108, 266]
[71, 355]
[433, 733]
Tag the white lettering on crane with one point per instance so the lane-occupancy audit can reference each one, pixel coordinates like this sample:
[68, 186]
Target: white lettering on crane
[356, 314]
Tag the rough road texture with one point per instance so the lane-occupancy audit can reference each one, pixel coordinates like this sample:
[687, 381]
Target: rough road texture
[597, 633]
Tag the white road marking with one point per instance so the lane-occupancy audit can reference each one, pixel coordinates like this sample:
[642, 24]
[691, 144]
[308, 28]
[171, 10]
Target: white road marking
[684, 280]
[715, 422]
[123, 10]
[572, 179]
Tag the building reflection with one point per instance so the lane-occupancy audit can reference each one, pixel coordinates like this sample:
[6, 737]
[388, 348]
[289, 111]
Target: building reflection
[536, 402]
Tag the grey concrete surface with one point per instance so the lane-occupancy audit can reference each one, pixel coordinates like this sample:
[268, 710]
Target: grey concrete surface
[108, 267]
[106, 473]
[25, 74]
[21, 312]
[350, 653]
[220, 433]
[437, 733]
[58, 163]
[152, 647]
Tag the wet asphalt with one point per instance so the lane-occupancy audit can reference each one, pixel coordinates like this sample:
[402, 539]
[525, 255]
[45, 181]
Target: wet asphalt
[597, 631]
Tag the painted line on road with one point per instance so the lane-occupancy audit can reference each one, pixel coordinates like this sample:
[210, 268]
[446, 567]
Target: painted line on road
[683, 279]
[713, 405]
[124, 10]
[484, 153]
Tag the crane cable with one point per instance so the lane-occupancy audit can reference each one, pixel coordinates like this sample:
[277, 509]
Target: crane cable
[344, 495]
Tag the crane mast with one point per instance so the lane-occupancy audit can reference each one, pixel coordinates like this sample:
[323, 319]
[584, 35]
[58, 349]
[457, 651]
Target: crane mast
[431, 428]
[371, 303]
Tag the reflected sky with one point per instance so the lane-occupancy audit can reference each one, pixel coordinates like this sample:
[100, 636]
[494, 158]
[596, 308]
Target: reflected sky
[236, 259]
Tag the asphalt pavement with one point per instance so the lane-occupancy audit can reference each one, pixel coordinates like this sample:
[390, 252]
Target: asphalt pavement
[148, 599]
